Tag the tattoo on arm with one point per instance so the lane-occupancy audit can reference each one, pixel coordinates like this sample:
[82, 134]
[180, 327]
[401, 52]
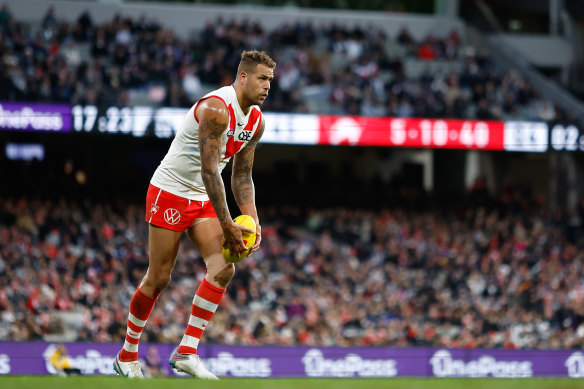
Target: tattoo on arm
[210, 133]
[241, 181]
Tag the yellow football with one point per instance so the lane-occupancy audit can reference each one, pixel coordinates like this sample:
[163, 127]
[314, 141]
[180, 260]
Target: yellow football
[248, 239]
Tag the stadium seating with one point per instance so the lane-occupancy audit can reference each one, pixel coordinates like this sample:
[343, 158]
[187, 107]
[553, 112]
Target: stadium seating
[326, 70]
[496, 275]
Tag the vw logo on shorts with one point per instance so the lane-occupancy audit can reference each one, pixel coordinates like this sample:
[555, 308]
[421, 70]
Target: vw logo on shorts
[172, 216]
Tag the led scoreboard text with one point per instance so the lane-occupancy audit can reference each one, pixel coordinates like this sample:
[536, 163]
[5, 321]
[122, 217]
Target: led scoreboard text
[303, 129]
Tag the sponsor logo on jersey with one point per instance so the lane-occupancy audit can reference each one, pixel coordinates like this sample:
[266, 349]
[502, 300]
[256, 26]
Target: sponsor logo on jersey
[244, 136]
[172, 216]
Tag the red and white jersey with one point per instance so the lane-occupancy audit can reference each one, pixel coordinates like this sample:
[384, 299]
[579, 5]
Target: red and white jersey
[180, 171]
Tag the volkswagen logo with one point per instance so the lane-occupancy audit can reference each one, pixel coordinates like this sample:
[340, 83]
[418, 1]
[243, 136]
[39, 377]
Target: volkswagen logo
[172, 216]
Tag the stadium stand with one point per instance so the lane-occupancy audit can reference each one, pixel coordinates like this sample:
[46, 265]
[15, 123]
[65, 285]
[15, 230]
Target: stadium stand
[503, 276]
[499, 273]
[327, 70]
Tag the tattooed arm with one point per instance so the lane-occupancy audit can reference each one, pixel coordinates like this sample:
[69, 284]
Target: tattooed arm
[242, 183]
[213, 119]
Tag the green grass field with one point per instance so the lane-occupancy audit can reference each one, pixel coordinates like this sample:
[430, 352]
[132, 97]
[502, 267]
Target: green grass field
[98, 382]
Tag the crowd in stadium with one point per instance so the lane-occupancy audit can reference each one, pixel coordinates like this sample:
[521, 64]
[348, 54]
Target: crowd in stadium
[501, 274]
[504, 276]
[359, 71]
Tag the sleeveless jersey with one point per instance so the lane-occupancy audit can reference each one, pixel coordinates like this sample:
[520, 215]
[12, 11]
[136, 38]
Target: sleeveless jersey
[180, 171]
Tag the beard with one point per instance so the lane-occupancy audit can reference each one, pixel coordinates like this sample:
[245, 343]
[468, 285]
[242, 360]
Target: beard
[260, 100]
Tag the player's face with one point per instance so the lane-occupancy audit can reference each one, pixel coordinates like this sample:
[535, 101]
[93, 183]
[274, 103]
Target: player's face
[258, 84]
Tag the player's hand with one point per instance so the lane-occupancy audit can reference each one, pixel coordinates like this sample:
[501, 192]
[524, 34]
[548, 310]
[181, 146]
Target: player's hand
[256, 246]
[232, 237]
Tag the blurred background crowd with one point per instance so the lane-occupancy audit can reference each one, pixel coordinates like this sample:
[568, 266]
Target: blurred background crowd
[321, 69]
[492, 273]
[345, 260]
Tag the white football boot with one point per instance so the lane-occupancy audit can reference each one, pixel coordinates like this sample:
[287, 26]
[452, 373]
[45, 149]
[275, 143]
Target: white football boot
[190, 364]
[128, 369]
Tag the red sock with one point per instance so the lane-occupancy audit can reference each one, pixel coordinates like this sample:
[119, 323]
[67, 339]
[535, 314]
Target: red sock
[205, 304]
[140, 309]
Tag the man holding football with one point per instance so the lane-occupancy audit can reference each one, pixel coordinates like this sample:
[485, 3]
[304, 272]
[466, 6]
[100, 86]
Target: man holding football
[187, 193]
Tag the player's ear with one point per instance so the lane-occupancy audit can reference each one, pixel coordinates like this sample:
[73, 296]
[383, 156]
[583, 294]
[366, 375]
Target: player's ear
[242, 76]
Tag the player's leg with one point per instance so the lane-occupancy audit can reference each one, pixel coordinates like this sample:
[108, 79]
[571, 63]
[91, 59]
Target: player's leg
[207, 236]
[163, 246]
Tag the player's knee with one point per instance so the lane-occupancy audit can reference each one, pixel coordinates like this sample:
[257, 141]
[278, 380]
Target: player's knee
[159, 280]
[224, 276]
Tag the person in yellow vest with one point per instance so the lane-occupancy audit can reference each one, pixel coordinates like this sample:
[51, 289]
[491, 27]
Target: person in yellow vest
[62, 363]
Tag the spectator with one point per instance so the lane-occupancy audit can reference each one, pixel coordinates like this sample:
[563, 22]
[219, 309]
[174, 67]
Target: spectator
[426, 51]
[5, 15]
[500, 275]
[144, 58]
